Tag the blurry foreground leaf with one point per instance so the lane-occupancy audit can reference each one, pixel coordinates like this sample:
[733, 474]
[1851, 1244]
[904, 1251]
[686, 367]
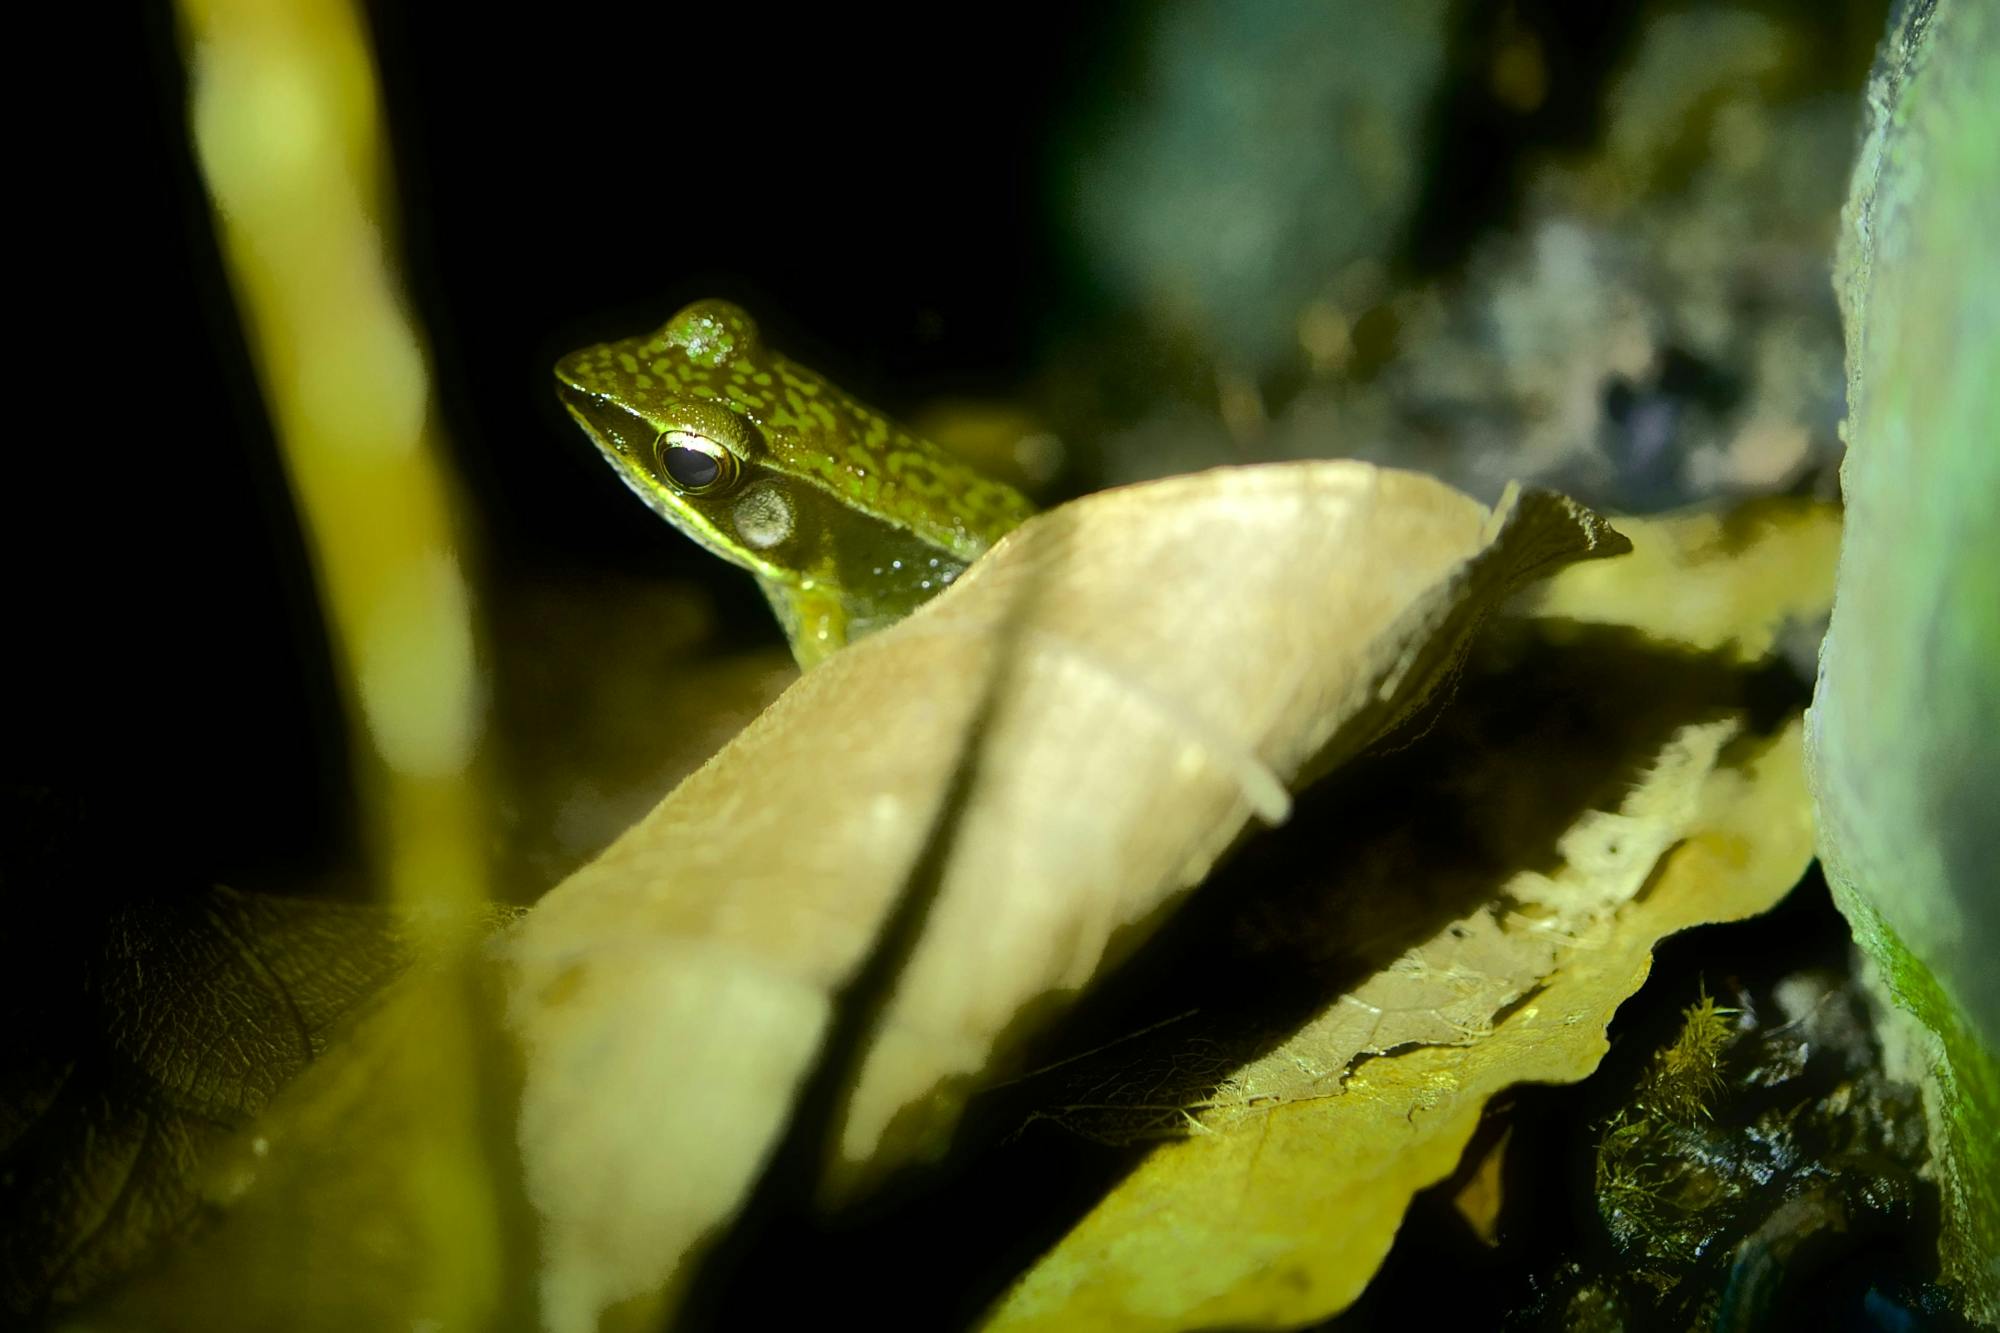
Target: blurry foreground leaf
[186, 1018]
[343, 1206]
[1040, 763]
[1908, 703]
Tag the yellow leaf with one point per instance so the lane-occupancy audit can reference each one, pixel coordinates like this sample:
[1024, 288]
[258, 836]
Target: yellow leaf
[1717, 580]
[1279, 1215]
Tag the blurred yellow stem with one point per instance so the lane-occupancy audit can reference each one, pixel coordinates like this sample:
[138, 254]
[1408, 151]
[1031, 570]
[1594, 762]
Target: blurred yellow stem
[287, 128]
[286, 124]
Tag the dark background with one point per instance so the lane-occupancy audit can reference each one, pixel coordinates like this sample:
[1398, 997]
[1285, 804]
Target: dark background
[875, 184]
[869, 184]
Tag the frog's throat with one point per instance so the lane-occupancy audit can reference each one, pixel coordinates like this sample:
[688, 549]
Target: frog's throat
[702, 532]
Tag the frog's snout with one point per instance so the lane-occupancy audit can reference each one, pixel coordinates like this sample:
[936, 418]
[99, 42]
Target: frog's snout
[584, 405]
[577, 373]
[586, 382]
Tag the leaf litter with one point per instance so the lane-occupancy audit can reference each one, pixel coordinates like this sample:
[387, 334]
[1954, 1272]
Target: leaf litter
[1149, 671]
[1453, 957]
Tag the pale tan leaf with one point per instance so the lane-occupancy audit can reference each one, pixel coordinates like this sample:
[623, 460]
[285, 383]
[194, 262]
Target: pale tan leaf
[1048, 757]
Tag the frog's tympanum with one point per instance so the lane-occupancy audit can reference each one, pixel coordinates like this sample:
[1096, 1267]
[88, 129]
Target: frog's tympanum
[848, 521]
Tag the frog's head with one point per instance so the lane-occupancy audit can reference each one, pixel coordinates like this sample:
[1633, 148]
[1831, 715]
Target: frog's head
[677, 413]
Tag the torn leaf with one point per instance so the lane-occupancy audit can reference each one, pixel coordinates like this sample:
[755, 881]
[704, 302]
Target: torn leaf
[1279, 1213]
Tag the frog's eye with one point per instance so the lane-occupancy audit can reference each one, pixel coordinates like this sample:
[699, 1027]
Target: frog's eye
[695, 464]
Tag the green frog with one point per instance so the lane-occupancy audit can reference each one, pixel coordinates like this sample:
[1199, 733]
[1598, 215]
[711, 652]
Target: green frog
[848, 521]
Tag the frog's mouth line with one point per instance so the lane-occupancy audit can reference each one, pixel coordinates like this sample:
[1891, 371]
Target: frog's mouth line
[684, 517]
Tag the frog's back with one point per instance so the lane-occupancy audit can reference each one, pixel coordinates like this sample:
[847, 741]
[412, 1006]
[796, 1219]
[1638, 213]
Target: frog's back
[818, 432]
[812, 430]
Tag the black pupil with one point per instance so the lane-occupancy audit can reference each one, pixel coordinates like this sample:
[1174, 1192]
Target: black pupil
[692, 468]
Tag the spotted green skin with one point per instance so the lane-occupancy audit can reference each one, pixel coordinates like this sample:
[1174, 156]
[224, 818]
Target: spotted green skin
[848, 521]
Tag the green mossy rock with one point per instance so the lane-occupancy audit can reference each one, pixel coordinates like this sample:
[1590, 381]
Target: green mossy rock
[1907, 709]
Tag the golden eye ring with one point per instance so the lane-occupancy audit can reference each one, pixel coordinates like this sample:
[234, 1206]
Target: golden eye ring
[694, 464]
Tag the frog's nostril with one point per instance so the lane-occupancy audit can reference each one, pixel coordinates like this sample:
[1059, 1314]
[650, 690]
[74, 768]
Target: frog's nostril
[603, 419]
[574, 396]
